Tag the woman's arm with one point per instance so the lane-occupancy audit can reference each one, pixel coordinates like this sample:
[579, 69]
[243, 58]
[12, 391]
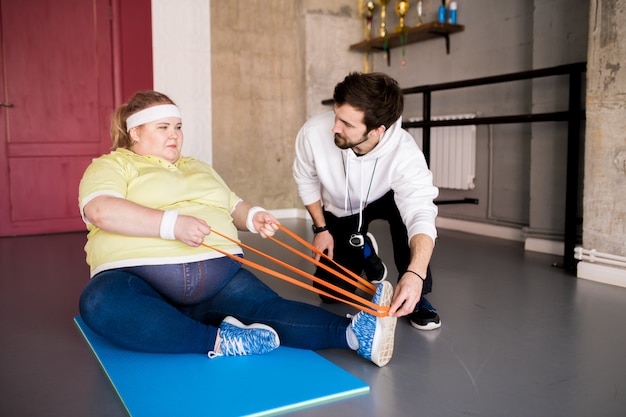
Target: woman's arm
[118, 215]
[254, 219]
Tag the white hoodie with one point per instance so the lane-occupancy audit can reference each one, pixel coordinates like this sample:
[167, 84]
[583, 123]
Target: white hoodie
[345, 183]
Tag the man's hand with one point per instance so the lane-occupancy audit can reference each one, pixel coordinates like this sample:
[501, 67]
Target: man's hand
[407, 295]
[323, 241]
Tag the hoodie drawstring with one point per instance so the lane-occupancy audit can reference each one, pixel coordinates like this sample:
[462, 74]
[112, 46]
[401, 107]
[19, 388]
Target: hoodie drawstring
[362, 201]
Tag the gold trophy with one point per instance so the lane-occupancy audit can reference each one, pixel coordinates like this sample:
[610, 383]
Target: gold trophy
[366, 11]
[383, 17]
[402, 8]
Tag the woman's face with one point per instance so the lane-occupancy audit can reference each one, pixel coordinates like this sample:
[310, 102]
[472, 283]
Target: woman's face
[162, 138]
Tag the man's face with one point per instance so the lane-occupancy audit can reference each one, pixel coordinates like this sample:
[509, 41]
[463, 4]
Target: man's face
[349, 128]
[350, 131]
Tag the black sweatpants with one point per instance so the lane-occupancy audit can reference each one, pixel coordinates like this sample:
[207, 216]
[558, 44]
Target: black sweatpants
[341, 228]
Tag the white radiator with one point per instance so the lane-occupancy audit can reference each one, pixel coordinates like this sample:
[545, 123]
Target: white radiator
[452, 152]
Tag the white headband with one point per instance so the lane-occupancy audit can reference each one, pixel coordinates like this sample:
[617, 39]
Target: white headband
[151, 114]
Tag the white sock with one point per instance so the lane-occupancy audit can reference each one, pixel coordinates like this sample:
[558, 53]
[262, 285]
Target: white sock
[218, 342]
[353, 341]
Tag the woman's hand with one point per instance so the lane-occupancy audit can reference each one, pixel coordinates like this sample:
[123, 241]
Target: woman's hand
[191, 230]
[265, 223]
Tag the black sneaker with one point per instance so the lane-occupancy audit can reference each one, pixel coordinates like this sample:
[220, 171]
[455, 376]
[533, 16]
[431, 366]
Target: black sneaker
[374, 268]
[425, 316]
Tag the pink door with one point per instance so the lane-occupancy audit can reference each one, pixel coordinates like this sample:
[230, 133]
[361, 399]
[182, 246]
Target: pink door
[56, 95]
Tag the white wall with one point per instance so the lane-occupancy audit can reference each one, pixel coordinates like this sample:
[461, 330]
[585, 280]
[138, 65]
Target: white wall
[181, 36]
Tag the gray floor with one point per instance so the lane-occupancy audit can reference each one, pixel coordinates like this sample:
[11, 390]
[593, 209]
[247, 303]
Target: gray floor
[520, 337]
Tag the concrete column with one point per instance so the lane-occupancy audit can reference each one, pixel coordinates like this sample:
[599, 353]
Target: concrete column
[604, 203]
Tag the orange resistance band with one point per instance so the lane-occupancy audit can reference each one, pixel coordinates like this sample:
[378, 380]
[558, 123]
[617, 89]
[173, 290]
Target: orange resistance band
[374, 309]
[360, 282]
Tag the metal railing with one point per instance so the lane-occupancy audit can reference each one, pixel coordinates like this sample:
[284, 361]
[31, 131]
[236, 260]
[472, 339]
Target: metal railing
[574, 115]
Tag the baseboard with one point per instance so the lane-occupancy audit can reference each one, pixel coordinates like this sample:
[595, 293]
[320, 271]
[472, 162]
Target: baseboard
[502, 232]
[292, 213]
[483, 229]
[544, 246]
[586, 270]
[601, 273]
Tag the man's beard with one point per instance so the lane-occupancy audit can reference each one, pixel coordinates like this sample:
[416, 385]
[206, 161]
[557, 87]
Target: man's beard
[342, 143]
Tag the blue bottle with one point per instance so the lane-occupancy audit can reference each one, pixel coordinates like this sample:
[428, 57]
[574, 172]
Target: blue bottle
[442, 14]
[452, 16]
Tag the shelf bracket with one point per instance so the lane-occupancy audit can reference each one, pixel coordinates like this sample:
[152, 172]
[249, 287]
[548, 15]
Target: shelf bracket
[446, 36]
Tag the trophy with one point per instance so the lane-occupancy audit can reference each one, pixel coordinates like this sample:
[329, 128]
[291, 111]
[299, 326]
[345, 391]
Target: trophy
[366, 11]
[367, 16]
[420, 12]
[402, 8]
[383, 17]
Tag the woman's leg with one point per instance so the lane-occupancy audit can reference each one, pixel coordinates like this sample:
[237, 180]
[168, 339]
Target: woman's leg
[125, 309]
[298, 325]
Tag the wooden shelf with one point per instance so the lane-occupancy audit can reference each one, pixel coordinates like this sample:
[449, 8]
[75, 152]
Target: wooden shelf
[420, 33]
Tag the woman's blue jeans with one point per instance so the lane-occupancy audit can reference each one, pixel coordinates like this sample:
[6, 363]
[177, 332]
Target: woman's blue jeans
[177, 308]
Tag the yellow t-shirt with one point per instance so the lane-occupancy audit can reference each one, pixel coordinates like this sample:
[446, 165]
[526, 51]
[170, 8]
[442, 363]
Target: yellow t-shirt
[190, 186]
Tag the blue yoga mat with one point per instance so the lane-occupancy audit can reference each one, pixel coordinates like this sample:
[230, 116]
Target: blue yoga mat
[152, 385]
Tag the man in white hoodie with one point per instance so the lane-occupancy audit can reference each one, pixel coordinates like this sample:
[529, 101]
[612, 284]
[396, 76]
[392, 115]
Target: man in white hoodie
[356, 164]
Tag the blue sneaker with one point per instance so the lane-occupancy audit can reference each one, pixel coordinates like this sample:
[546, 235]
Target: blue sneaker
[236, 339]
[376, 334]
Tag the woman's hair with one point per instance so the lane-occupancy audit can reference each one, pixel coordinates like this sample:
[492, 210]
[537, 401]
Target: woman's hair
[141, 100]
[376, 94]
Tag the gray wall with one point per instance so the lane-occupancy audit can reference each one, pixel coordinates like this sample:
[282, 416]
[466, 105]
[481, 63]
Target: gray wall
[279, 73]
[520, 167]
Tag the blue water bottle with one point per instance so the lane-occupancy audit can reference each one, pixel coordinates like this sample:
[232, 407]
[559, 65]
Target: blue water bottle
[452, 17]
[442, 14]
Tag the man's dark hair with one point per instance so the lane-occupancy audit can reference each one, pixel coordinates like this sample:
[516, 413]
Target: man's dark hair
[376, 94]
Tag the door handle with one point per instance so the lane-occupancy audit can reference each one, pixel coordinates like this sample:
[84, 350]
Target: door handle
[3, 104]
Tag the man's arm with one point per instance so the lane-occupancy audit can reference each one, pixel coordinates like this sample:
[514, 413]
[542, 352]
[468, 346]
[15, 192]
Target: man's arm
[409, 289]
[323, 241]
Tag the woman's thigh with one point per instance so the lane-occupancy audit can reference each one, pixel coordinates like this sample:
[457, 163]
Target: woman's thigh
[124, 308]
[188, 283]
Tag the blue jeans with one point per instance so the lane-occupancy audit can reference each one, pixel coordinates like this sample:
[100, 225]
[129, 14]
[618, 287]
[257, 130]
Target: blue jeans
[177, 308]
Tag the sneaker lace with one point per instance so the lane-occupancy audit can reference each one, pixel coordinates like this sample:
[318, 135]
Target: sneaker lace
[234, 346]
[229, 346]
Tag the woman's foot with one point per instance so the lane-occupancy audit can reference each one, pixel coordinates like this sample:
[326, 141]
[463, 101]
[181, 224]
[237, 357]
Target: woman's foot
[376, 334]
[236, 339]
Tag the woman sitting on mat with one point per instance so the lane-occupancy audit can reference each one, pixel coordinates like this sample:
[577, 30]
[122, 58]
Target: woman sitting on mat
[160, 282]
